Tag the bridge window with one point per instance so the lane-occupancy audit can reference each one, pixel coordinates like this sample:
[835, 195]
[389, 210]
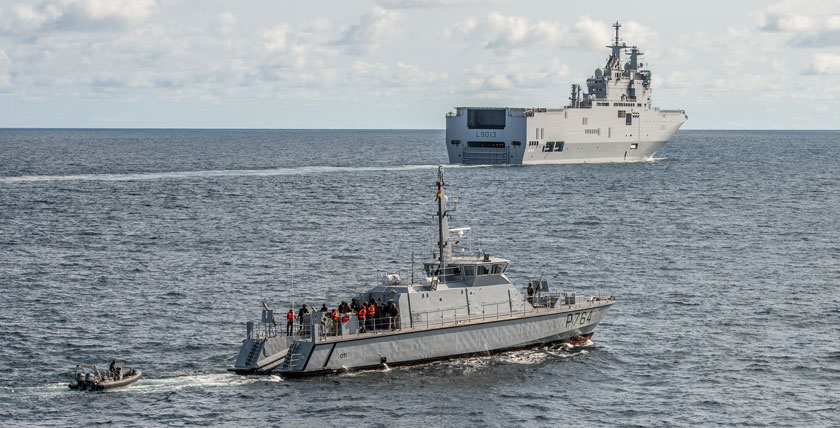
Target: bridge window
[483, 269]
[469, 271]
[497, 269]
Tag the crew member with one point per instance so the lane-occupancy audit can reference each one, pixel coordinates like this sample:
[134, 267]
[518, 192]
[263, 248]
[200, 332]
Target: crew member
[113, 369]
[362, 314]
[371, 315]
[530, 293]
[290, 322]
[334, 317]
[301, 314]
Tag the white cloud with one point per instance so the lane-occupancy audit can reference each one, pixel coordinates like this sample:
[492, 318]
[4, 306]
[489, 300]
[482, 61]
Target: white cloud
[274, 38]
[824, 63]
[806, 23]
[512, 33]
[365, 36]
[75, 15]
[414, 4]
[5, 77]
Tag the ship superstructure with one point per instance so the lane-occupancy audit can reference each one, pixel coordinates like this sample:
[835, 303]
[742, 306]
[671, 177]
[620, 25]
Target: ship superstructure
[465, 305]
[614, 121]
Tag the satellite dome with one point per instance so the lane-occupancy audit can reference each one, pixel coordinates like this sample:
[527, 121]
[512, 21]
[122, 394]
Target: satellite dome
[598, 73]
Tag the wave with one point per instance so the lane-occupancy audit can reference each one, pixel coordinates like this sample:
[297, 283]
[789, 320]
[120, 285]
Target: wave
[181, 175]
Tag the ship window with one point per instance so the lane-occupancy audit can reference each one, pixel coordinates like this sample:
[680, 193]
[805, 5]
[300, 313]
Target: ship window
[483, 269]
[469, 271]
[486, 119]
[629, 119]
[621, 113]
[549, 146]
[585, 121]
[497, 269]
[456, 142]
[516, 143]
[558, 146]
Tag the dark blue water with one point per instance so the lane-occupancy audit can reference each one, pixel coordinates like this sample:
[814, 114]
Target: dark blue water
[155, 247]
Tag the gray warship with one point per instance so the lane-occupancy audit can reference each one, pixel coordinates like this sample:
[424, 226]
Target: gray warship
[465, 306]
[613, 122]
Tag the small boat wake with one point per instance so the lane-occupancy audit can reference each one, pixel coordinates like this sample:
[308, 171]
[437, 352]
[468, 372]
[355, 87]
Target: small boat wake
[143, 386]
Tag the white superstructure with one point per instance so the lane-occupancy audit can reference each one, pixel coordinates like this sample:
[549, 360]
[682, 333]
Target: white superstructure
[614, 122]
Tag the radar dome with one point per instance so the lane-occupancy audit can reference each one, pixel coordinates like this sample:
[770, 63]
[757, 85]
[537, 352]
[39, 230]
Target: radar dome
[598, 73]
[626, 66]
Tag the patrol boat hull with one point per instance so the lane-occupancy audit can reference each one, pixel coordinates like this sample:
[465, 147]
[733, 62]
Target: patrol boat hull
[372, 351]
[465, 306]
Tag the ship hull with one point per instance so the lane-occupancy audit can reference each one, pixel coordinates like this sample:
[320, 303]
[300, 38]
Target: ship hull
[561, 136]
[415, 346]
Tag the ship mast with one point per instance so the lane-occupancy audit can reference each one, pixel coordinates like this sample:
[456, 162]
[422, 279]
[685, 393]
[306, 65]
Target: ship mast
[443, 226]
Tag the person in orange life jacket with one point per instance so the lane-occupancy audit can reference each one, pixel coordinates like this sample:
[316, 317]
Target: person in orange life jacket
[362, 315]
[334, 317]
[371, 315]
[290, 322]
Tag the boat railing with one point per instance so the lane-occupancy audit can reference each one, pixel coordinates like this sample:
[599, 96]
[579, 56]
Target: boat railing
[452, 315]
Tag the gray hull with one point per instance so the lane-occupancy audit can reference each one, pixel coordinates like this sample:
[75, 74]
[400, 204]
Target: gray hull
[418, 345]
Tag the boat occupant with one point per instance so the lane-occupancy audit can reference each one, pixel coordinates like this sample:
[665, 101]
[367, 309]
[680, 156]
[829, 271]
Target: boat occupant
[371, 315]
[290, 322]
[113, 369]
[362, 314]
[302, 313]
[334, 317]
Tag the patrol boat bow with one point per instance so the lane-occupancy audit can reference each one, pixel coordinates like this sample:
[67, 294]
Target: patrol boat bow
[467, 306]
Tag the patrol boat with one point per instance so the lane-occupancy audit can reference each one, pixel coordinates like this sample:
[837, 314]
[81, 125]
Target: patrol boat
[466, 306]
[614, 122]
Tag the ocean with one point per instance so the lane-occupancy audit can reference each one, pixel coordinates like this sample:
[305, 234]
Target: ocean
[155, 247]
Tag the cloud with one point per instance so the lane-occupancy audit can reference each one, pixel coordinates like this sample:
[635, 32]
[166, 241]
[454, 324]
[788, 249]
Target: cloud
[806, 24]
[509, 33]
[824, 63]
[75, 15]
[5, 76]
[416, 4]
[365, 36]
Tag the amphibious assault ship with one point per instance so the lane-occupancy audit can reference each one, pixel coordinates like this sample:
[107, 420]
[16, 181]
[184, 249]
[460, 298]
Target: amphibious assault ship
[465, 306]
[614, 122]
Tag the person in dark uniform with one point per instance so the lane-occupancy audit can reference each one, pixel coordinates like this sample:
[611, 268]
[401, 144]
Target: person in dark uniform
[302, 313]
[530, 293]
[354, 305]
[113, 369]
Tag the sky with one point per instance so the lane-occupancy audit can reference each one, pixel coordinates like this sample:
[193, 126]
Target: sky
[403, 64]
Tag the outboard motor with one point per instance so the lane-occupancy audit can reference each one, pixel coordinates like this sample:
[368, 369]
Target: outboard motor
[90, 381]
[80, 381]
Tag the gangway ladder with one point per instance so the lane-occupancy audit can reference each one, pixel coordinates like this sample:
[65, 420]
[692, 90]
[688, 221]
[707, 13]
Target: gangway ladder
[254, 352]
[291, 357]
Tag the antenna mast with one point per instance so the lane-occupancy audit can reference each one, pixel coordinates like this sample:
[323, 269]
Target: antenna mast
[443, 231]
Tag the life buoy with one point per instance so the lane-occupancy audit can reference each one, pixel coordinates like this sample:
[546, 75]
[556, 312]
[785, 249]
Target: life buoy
[345, 318]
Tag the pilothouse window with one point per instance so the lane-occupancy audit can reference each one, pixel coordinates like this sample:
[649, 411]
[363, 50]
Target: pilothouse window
[497, 269]
[483, 269]
[469, 271]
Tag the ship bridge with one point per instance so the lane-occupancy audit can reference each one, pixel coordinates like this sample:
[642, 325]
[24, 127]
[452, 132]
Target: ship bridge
[627, 85]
